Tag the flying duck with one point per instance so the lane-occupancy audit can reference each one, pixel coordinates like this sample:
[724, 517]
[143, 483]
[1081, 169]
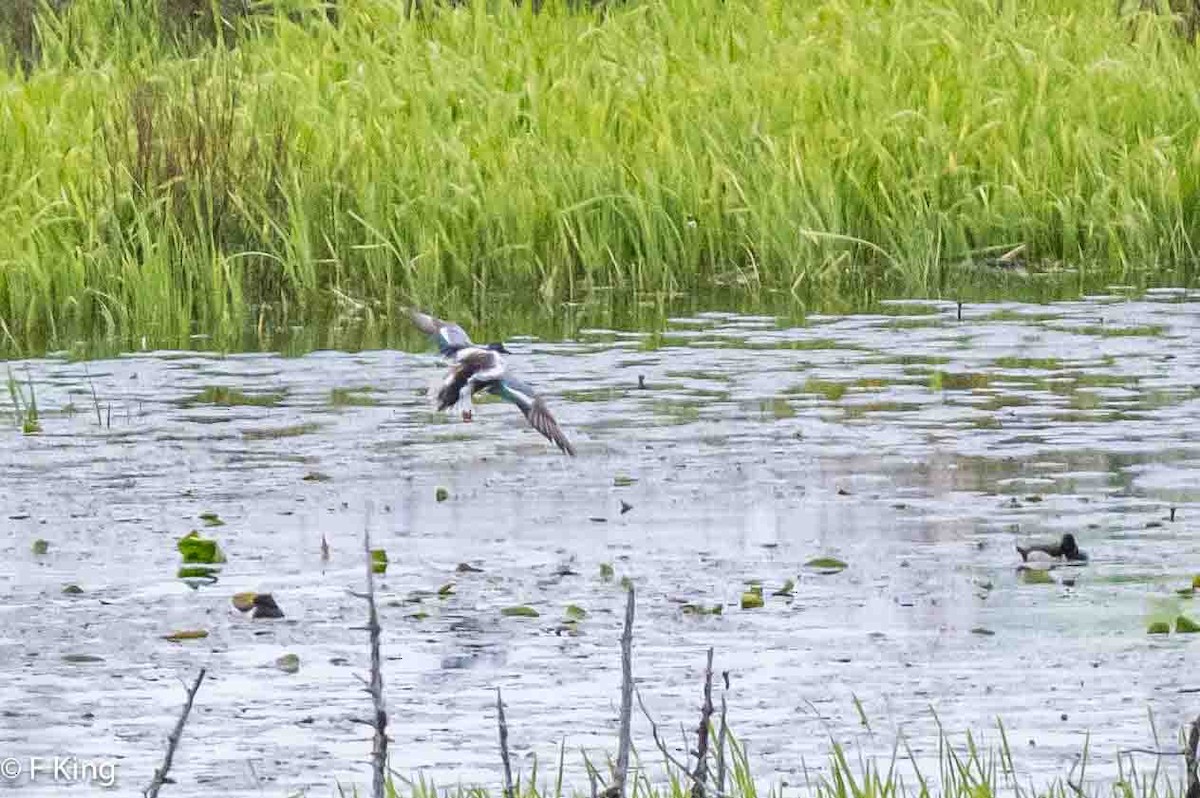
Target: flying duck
[1065, 549]
[480, 367]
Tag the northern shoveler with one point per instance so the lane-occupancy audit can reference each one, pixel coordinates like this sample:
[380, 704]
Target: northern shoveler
[480, 367]
[1065, 549]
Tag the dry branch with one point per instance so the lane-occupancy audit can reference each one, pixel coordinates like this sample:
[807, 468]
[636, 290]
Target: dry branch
[625, 742]
[375, 687]
[160, 775]
[706, 712]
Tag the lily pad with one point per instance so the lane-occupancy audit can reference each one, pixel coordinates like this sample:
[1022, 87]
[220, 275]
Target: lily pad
[379, 561]
[211, 519]
[1159, 628]
[622, 481]
[41, 546]
[606, 571]
[316, 476]
[1036, 576]
[441, 494]
[752, 600]
[521, 611]
[467, 568]
[575, 613]
[81, 659]
[826, 565]
[1185, 625]
[446, 590]
[196, 549]
[983, 630]
[288, 663]
[72, 590]
[186, 634]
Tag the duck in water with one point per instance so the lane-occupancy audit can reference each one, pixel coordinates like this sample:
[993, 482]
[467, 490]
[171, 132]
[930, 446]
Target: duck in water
[1065, 549]
[480, 367]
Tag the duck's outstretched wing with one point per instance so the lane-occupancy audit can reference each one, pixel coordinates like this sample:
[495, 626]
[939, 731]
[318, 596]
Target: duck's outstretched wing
[480, 365]
[534, 407]
[447, 336]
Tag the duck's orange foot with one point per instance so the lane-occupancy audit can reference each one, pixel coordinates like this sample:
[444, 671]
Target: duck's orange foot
[468, 415]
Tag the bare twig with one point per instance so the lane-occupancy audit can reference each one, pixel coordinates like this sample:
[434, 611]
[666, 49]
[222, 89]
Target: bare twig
[160, 775]
[625, 742]
[508, 782]
[706, 712]
[666, 752]
[375, 688]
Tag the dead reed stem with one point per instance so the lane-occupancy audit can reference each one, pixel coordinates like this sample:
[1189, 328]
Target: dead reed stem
[160, 775]
[706, 711]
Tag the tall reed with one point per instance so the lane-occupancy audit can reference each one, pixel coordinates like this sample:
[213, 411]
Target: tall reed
[157, 181]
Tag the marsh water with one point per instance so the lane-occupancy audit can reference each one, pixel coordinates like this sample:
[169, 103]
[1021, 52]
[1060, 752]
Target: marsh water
[916, 446]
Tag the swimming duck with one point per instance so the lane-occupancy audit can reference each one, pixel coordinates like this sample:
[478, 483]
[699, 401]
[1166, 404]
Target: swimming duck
[1065, 549]
[480, 367]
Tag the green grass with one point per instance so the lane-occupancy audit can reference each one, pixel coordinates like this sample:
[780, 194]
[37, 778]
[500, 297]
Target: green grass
[161, 185]
[961, 770]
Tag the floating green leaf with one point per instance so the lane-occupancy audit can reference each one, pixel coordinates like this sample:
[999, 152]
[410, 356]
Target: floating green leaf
[211, 519]
[379, 561]
[826, 565]
[521, 611]
[1036, 576]
[41, 546]
[623, 481]
[205, 573]
[244, 602]
[1159, 628]
[351, 397]
[196, 549]
[982, 630]
[80, 659]
[1185, 625]
[229, 397]
[606, 571]
[789, 587]
[72, 590]
[446, 590]
[288, 663]
[752, 600]
[186, 634]
[441, 494]
[575, 613]
[316, 476]
[700, 609]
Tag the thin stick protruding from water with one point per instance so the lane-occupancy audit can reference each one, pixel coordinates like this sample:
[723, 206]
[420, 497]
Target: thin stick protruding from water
[706, 712]
[625, 742]
[160, 775]
[508, 781]
[375, 688]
